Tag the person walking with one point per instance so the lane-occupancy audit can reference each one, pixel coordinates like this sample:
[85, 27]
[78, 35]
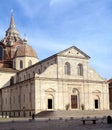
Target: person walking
[33, 116]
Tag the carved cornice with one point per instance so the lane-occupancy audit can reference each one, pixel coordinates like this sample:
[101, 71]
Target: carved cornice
[70, 80]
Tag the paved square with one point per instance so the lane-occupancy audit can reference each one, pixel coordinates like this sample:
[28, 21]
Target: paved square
[53, 124]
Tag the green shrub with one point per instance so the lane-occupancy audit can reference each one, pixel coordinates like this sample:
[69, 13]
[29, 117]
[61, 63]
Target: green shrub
[82, 106]
[67, 106]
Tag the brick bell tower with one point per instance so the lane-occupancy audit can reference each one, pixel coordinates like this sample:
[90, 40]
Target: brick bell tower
[9, 45]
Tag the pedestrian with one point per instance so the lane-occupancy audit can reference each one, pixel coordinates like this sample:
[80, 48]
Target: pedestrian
[33, 116]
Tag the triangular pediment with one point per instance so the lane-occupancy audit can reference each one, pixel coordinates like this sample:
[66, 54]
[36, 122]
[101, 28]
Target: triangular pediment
[50, 90]
[74, 52]
[97, 91]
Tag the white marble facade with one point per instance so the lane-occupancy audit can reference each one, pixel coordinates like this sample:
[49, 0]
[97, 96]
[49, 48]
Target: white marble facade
[62, 81]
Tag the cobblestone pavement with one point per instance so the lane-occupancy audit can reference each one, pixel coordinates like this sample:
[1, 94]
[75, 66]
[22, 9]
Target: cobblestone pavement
[53, 124]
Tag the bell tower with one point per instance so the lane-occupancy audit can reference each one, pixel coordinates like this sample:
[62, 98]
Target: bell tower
[9, 44]
[12, 34]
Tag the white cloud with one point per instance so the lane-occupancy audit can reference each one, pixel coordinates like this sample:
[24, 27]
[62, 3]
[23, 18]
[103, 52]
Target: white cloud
[30, 7]
[49, 45]
[55, 2]
[66, 2]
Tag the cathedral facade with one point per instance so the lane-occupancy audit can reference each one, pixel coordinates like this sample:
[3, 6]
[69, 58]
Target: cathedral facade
[63, 81]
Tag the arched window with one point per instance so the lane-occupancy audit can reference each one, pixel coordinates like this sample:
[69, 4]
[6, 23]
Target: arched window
[80, 69]
[24, 77]
[39, 71]
[33, 73]
[1, 53]
[14, 64]
[29, 76]
[29, 63]
[21, 64]
[67, 68]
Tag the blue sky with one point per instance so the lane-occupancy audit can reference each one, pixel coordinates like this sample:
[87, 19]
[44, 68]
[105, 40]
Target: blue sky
[54, 25]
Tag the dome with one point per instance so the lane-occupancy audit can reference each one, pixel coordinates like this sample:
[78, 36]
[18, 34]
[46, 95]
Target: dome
[26, 50]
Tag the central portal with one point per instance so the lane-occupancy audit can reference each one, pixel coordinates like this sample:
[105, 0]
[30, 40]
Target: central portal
[73, 101]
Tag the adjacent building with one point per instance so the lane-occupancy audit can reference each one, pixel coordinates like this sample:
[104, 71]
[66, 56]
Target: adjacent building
[110, 92]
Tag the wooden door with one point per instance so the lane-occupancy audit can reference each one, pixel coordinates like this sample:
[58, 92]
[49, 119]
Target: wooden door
[73, 101]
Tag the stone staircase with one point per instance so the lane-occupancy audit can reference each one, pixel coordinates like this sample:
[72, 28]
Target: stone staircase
[74, 113]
